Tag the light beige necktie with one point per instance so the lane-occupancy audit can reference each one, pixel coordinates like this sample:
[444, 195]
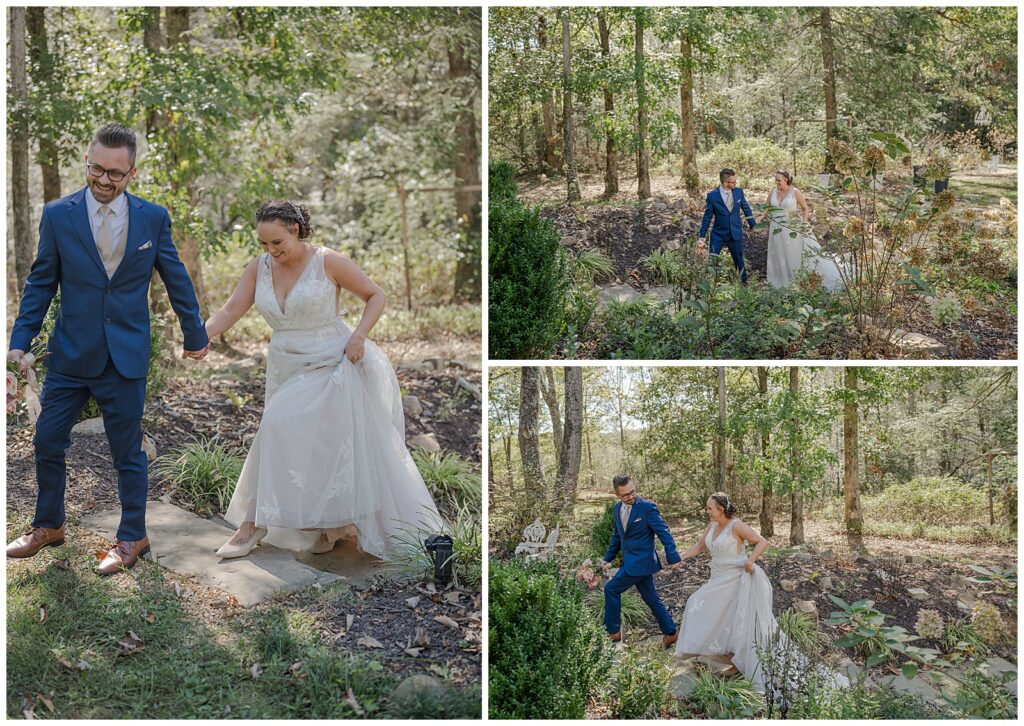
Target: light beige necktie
[626, 508]
[728, 199]
[105, 242]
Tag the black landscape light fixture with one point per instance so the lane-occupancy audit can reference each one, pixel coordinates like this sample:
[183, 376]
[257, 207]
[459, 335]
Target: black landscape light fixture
[441, 547]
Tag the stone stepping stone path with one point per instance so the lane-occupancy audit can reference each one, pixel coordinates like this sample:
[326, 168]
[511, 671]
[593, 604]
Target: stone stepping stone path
[186, 544]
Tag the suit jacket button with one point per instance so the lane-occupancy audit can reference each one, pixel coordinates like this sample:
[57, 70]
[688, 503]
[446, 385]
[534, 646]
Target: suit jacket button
[108, 290]
[108, 321]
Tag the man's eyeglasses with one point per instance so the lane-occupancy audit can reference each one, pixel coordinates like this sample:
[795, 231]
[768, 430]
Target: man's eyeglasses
[114, 175]
[626, 495]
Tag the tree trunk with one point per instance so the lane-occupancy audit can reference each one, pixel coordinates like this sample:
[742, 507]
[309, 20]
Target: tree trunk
[42, 75]
[572, 185]
[722, 453]
[529, 433]
[796, 522]
[177, 21]
[851, 457]
[829, 80]
[611, 155]
[767, 496]
[465, 76]
[549, 391]
[24, 253]
[691, 178]
[572, 449]
[549, 157]
[643, 154]
[991, 493]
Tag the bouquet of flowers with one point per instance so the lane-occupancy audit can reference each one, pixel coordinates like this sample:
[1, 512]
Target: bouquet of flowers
[23, 387]
[587, 574]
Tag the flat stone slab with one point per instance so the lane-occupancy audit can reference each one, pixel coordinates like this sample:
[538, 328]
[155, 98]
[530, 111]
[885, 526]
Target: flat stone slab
[661, 294]
[910, 343]
[619, 293]
[997, 666]
[186, 544]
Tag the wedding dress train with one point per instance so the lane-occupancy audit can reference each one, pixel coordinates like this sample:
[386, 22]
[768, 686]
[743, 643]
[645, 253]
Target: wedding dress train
[330, 451]
[788, 253]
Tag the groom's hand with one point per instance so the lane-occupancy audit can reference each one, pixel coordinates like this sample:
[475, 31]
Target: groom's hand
[605, 565]
[676, 566]
[196, 354]
[702, 246]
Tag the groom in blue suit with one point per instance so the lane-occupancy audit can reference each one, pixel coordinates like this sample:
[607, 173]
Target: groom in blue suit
[723, 206]
[637, 523]
[99, 247]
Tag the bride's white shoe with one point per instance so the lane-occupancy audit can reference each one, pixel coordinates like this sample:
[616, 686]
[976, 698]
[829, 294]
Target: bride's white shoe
[229, 550]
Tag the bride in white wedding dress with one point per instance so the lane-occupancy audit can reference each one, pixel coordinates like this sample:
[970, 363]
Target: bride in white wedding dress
[732, 612]
[329, 460]
[791, 244]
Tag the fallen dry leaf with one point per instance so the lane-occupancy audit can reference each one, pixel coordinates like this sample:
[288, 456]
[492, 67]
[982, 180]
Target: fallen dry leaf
[101, 554]
[62, 565]
[256, 670]
[130, 644]
[66, 663]
[453, 597]
[368, 642]
[43, 613]
[412, 602]
[177, 589]
[150, 617]
[84, 665]
[422, 639]
[349, 619]
[414, 652]
[28, 710]
[46, 702]
[350, 699]
[445, 620]
[296, 670]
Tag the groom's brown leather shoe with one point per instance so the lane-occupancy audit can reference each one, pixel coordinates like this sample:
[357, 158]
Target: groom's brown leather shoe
[122, 556]
[667, 641]
[34, 540]
[615, 637]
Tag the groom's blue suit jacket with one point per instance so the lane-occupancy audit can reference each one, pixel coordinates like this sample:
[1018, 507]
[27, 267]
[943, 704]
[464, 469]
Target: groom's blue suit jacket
[103, 317]
[727, 225]
[637, 541]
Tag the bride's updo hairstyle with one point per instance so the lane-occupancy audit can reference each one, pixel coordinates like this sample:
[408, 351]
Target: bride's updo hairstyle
[785, 175]
[287, 212]
[722, 499]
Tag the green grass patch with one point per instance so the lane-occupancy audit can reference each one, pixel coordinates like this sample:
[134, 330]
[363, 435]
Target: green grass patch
[77, 659]
[977, 534]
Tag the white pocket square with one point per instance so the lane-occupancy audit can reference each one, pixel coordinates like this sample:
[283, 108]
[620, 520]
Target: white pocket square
[146, 246]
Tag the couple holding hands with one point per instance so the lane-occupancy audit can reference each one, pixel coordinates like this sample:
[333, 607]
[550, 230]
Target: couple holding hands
[791, 244]
[329, 461]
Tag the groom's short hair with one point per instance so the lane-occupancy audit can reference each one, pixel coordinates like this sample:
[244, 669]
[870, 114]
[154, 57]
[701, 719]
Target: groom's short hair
[116, 136]
[621, 480]
[725, 174]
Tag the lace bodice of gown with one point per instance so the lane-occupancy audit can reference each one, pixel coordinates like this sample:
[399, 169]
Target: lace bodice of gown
[311, 303]
[724, 549]
[790, 209]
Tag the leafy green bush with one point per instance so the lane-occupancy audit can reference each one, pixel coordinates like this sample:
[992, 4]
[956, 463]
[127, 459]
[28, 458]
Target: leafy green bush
[501, 181]
[547, 655]
[756, 158]
[931, 500]
[641, 686]
[601, 532]
[529, 280]
[719, 697]
[861, 700]
[451, 479]
[204, 473]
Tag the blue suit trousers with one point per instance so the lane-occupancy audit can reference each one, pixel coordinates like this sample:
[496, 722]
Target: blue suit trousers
[121, 401]
[645, 585]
